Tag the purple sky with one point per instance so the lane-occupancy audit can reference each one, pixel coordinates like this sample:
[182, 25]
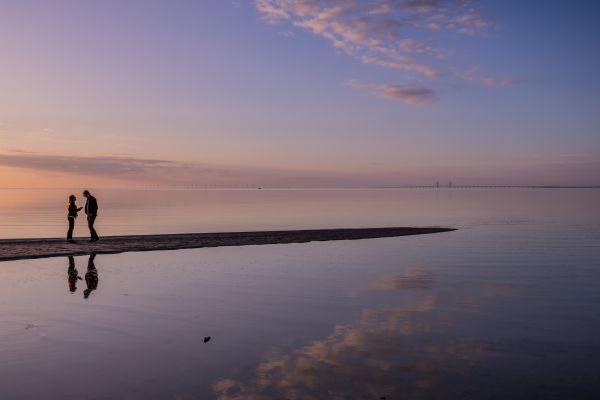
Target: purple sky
[299, 93]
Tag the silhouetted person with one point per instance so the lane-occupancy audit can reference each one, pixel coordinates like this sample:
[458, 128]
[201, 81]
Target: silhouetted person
[71, 216]
[91, 210]
[91, 277]
[72, 275]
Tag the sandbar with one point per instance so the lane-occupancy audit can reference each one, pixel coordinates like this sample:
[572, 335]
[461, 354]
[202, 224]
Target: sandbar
[19, 249]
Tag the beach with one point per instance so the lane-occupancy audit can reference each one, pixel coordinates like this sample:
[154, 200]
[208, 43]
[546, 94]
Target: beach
[20, 249]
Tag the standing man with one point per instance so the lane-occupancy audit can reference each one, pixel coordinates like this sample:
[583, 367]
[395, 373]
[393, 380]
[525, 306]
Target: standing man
[91, 210]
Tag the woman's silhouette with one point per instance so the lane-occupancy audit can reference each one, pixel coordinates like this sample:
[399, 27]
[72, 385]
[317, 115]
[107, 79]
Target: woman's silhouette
[72, 275]
[72, 214]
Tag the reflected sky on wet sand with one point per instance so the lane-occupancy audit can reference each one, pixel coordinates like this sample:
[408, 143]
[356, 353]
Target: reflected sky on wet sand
[501, 312]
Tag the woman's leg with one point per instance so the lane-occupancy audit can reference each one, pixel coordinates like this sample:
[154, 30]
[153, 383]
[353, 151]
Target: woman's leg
[71, 226]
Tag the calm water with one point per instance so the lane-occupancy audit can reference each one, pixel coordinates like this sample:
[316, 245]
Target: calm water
[41, 213]
[507, 307]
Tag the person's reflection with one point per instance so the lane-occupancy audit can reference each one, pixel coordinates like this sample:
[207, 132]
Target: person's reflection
[72, 275]
[91, 277]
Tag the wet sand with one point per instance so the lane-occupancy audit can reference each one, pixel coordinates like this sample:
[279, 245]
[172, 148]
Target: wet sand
[18, 249]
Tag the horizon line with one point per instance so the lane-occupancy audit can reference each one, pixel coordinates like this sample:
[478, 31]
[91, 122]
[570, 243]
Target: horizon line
[216, 187]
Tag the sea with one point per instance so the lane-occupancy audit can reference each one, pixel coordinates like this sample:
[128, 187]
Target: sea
[505, 307]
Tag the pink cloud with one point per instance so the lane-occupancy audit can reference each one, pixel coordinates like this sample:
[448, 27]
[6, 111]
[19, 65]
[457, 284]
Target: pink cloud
[475, 75]
[415, 95]
[392, 34]
[383, 32]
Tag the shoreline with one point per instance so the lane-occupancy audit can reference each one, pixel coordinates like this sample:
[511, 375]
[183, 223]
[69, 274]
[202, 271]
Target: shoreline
[23, 249]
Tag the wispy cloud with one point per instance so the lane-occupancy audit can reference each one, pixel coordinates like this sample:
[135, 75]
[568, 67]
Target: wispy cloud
[286, 34]
[476, 75]
[492, 81]
[415, 95]
[99, 165]
[125, 168]
[389, 33]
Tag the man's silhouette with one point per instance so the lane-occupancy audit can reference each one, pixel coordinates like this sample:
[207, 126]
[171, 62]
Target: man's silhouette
[91, 277]
[91, 210]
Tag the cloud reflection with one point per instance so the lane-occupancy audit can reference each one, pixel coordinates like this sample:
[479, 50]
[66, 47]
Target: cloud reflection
[400, 352]
[416, 279]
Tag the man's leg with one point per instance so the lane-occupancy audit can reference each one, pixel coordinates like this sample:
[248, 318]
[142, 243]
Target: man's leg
[91, 219]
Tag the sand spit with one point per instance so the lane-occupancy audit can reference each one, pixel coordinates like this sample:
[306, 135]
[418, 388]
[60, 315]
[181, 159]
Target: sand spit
[18, 249]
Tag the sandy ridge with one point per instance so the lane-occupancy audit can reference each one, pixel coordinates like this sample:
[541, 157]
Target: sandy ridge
[16, 249]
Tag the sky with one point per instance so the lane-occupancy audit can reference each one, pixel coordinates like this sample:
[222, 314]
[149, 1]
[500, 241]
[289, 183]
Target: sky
[304, 93]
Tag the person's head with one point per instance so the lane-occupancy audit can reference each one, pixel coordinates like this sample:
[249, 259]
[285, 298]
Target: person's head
[86, 193]
[72, 198]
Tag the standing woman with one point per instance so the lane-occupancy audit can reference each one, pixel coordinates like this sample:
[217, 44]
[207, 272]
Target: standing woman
[72, 214]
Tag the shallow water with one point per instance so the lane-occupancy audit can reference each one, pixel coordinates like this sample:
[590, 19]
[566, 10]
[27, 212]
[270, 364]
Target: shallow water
[41, 213]
[507, 307]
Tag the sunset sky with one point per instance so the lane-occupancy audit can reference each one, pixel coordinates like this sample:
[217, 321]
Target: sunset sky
[303, 93]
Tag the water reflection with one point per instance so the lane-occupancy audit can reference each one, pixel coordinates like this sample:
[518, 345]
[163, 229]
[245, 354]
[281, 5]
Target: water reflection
[91, 276]
[72, 275]
[414, 279]
[401, 352]
[417, 278]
